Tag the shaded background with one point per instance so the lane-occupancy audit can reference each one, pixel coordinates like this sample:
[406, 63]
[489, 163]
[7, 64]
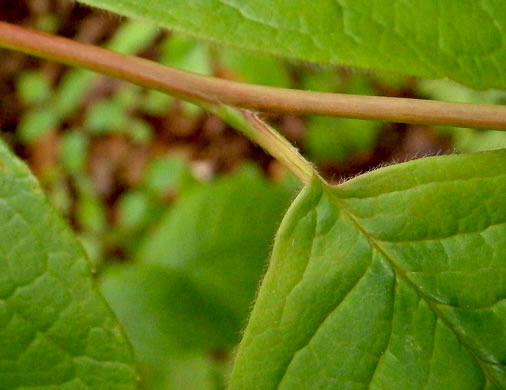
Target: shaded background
[176, 210]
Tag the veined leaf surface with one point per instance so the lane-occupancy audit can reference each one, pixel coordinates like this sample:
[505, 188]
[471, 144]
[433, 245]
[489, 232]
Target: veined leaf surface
[393, 280]
[462, 40]
[56, 332]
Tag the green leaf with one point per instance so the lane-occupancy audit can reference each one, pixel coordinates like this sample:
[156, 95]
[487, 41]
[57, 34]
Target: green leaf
[254, 68]
[33, 87]
[48, 22]
[132, 37]
[196, 274]
[135, 209]
[128, 96]
[219, 237]
[467, 140]
[73, 151]
[105, 116]
[164, 315]
[56, 332]
[472, 140]
[194, 373]
[334, 139]
[171, 326]
[139, 131]
[167, 174]
[189, 55]
[91, 214]
[35, 124]
[393, 280]
[462, 40]
[186, 54]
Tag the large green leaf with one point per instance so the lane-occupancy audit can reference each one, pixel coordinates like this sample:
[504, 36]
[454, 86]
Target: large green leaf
[56, 332]
[462, 40]
[393, 280]
[169, 322]
[197, 272]
[218, 237]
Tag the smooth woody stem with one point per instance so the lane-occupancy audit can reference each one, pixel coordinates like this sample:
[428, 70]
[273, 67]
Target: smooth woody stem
[196, 88]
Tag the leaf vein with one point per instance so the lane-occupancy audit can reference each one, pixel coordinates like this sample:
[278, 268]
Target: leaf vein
[372, 240]
[338, 304]
[382, 357]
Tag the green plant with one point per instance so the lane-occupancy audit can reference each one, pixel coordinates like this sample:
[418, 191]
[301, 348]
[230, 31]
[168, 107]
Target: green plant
[392, 280]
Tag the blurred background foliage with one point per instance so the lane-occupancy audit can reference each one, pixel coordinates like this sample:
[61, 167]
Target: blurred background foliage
[176, 210]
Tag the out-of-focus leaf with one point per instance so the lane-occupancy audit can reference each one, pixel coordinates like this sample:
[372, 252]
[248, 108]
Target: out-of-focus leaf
[255, 68]
[322, 80]
[164, 315]
[195, 372]
[93, 246]
[156, 102]
[196, 273]
[186, 54]
[334, 139]
[139, 131]
[33, 87]
[467, 140]
[105, 116]
[218, 236]
[190, 55]
[71, 91]
[449, 91]
[48, 22]
[133, 37]
[36, 123]
[471, 140]
[128, 96]
[135, 209]
[90, 214]
[167, 174]
[331, 139]
[73, 148]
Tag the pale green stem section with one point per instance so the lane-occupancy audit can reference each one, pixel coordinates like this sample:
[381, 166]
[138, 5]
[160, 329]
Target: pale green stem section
[248, 123]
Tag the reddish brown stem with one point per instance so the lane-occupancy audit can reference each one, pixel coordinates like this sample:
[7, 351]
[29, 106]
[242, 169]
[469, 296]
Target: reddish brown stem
[198, 88]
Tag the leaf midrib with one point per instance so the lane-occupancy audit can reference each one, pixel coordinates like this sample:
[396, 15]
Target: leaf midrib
[402, 274]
